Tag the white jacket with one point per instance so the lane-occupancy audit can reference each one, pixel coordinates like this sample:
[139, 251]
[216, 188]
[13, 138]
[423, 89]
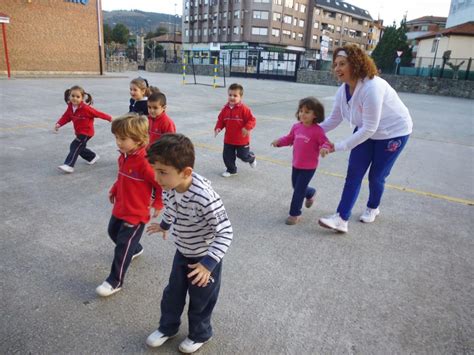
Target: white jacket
[374, 108]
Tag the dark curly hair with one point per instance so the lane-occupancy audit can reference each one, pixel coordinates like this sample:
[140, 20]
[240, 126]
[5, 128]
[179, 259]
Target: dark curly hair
[312, 104]
[361, 64]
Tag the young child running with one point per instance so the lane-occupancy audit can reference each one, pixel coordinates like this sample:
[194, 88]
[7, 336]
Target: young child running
[238, 121]
[82, 116]
[158, 121]
[202, 233]
[131, 197]
[307, 139]
[139, 92]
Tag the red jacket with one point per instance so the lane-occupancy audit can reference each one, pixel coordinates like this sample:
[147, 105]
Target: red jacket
[82, 118]
[160, 125]
[132, 190]
[233, 120]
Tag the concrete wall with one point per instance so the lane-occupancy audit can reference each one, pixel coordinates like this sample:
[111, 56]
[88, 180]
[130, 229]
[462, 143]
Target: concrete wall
[417, 85]
[460, 46]
[51, 37]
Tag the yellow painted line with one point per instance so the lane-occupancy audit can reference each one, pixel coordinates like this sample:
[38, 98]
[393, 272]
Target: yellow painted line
[15, 128]
[328, 173]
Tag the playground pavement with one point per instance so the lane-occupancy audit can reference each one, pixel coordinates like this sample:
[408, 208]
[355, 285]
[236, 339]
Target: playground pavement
[403, 284]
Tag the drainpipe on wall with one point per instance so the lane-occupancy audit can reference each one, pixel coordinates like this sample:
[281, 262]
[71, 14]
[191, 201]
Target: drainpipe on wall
[99, 30]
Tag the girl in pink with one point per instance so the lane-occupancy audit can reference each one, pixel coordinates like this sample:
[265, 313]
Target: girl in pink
[307, 139]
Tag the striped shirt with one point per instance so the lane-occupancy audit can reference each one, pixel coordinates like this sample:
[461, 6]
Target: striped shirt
[201, 227]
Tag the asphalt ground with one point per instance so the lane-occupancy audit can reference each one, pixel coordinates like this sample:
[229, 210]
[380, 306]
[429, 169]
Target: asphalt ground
[403, 284]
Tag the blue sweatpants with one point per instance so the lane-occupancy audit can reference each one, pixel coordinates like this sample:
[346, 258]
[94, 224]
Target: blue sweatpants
[201, 300]
[380, 155]
[300, 179]
[78, 148]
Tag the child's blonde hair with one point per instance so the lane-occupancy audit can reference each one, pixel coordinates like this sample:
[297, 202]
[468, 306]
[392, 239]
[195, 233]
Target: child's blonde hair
[133, 126]
[142, 84]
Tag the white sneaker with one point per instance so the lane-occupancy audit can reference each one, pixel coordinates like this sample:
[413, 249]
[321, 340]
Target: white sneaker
[254, 163]
[188, 346]
[369, 215]
[136, 255]
[66, 168]
[157, 339]
[106, 289]
[334, 222]
[93, 161]
[226, 174]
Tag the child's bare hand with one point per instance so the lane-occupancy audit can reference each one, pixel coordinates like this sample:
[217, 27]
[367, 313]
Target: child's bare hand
[156, 212]
[56, 127]
[111, 198]
[217, 131]
[326, 149]
[274, 143]
[245, 132]
[156, 228]
[200, 273]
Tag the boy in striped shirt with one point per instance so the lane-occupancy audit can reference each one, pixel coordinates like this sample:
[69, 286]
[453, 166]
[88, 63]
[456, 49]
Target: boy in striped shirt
[202, 233]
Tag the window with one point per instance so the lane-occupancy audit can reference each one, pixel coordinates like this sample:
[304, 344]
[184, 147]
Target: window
[276, 16]
[317, 11]
[295, 21]
[424, 28]
[224, 15]
[214, 30]
[287, 19]
[204, 31]
[338, 29]
[237, 14]
[186, 18]
[286, 33]
[289, 3]
[301, 23]
[300, 36]
[293, 35]
[262, 1]
[236, 30]
[186, 5]
[275, 32]
[434, 45]
[346, 18]
[205, 16]
[259, 31]
[302, 8]
[316, 24]
[296, 6]
[186, 33]
[277, 2]
[262, 15]
[315, 38]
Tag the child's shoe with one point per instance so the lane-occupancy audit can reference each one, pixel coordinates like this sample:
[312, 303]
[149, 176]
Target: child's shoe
[334, 222]
[106, 289]
[254, 163]
[136, 255]
[157, 339]
[66, 168]
[291, 220]
[369, 215]
[309, 202]
[188, 346]
[93, 161]
[226, 174]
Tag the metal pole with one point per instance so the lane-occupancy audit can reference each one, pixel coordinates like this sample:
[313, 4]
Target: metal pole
[174, 36]
[6, 49]
[434, 58]
[101, 69]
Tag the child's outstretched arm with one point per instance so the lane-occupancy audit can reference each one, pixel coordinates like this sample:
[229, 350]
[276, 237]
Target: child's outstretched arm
[285, 140]
[99, 114]
[220, 124]
[65, 118]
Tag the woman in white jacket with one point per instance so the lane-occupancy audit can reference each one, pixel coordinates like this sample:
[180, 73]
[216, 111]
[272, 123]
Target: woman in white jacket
[382, 127]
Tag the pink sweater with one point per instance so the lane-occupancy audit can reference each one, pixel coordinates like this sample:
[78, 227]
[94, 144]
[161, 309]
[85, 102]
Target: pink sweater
[306, 143]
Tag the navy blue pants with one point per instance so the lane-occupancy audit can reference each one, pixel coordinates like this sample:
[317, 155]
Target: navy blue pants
[78, 148]
[300, 179]
[127, 242]
[201, 300]
[240, 151]
[380, 155]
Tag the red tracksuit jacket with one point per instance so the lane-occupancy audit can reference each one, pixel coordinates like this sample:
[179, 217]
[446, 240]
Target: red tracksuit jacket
[82, 118]
[132, 190]
[160, 125]
[233, 120]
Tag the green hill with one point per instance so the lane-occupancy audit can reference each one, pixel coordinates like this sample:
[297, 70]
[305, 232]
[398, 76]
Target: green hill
[137, 20]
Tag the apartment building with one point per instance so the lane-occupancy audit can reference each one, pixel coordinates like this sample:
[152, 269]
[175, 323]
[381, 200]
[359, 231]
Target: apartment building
[376, 29]
[308, 28]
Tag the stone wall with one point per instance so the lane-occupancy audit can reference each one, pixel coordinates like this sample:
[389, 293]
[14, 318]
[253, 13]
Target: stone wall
[120, 65]
[417, 85]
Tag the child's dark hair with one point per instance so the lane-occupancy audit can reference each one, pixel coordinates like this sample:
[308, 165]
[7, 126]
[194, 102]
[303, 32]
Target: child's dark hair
[86, 97]
[236, 86]
[173, 149]
[142, 84]
[158, 97]
[311, 103]
[133, 126]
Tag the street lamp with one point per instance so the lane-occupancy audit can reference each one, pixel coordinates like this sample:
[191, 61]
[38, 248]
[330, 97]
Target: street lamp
[438, 37]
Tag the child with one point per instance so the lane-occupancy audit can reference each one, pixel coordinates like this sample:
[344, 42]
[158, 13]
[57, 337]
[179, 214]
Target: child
[139, 91]
[82, 116]
[131, 197]
[238, 120]
[202, 234]
[307, 139]
[158, 121]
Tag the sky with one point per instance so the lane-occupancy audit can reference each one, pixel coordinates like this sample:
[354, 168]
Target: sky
[389, 10]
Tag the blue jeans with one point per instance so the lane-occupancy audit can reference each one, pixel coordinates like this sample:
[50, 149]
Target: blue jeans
[380, 155]
[300, 179]
[201, 300]
[232, 151]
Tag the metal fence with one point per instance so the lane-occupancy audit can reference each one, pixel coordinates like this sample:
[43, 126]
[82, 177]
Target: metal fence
[452, 68]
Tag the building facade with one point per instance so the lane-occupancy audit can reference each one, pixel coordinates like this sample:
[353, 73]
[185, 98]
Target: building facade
[420, 27]
[309, 27]
[53, 37]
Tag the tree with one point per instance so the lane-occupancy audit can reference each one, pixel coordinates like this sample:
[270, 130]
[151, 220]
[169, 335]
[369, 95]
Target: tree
[159, 32]
[120, 33]
[107, 33]
[393, 40]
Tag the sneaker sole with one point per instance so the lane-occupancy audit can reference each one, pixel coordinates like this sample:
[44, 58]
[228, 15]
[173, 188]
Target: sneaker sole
[191, 352]
[360, 219]
[65, 171]
[156, 346]
[110, 294]
[331, 228]
[134, 256]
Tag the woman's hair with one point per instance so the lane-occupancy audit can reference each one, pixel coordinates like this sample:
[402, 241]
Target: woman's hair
[311, 103]
[86, 97]
[142, 84]
[158, 97]
[172, 149]
[361, 64]
[133, 126]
